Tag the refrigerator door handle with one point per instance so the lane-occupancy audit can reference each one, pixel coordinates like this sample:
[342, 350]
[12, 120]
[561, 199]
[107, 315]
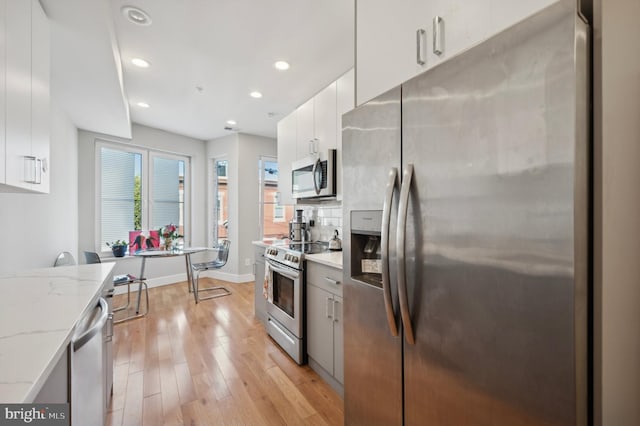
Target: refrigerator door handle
[392, 182]
[401, 236]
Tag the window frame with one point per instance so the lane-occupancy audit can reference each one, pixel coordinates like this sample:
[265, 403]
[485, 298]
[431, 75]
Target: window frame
[148, 154]
[213, 197]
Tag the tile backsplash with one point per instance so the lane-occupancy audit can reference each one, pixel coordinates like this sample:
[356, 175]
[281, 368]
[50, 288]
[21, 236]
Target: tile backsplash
[326, 217]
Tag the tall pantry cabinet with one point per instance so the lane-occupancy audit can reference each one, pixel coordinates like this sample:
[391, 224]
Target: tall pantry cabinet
[25, 108]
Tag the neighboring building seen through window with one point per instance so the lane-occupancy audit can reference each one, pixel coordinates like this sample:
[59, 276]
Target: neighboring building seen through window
[275, 217]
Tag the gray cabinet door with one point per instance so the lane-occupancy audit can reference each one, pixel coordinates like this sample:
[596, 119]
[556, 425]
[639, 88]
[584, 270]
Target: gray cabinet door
[338, 340]
[260, 303]
[320, 326]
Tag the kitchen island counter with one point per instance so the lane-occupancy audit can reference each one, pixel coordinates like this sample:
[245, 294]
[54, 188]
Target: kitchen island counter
[39, 310]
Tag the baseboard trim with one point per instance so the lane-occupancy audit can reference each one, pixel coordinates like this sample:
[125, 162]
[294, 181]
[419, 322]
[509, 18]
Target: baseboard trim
[176, 278]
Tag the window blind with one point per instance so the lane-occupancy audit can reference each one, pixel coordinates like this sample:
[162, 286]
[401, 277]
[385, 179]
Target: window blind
[118, 183]
[167, 188]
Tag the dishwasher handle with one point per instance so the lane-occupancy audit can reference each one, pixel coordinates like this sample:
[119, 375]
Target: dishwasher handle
[96, 328]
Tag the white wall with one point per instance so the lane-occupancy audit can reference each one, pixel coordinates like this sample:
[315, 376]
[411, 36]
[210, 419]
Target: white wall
[617, 212]
[159, 271]
[36, 227]
[243, 152]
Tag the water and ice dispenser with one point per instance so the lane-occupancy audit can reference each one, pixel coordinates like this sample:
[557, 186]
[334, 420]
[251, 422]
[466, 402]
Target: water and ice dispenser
[366, 258]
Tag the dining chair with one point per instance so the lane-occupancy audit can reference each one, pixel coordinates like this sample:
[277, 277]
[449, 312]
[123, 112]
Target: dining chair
[65, 258]
[217, 263]
[122, 280]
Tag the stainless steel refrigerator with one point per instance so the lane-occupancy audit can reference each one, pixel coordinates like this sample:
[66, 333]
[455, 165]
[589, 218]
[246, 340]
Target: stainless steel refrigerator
[466, 209]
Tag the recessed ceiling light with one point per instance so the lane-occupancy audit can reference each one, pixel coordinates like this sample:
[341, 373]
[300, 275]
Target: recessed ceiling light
[231, 122]
[256, 95]
[282, 65]
[143, 105]
[136, 15]
[139, 62]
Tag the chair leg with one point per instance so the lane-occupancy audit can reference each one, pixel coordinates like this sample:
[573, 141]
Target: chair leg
[143, 287]
[125, 306]
[223, 291]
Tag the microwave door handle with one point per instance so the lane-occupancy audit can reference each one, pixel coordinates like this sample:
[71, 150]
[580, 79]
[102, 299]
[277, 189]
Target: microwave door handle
[316, 185]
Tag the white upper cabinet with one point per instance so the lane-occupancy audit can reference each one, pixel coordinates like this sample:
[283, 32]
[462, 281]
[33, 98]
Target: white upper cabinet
[314, 127]
[20, 168]
[286, 155]
[317, 123]
[3, 90]
[398, 40]
[40, 96]
[324, 118]
[26, 92]
[345, 102]
[304, 130]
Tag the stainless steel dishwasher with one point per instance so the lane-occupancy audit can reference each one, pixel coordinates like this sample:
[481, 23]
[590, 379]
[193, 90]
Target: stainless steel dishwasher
[88, 368]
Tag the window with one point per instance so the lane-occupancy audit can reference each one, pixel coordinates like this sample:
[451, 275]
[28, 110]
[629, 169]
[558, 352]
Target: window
[274, 216]
[221, 210]
[138, 190]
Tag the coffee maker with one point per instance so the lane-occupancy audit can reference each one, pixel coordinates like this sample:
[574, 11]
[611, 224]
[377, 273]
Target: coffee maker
[298, 228]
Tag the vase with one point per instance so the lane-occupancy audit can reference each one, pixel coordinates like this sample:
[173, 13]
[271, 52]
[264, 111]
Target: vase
[119, 251]
[168, 244]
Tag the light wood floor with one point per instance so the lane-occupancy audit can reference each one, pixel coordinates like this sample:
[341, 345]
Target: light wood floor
[211, 364]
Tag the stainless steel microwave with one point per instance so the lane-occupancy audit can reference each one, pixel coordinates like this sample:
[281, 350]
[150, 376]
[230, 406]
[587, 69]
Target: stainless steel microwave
[314, 177]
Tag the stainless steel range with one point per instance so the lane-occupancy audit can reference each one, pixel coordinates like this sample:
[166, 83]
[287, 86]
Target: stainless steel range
[286, 321]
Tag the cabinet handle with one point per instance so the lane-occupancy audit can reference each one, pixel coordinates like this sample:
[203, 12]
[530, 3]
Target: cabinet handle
[332, 281]
[438, 35]
[38, 171]
[30, 169]
[109, 336]
[421, 35]
[329, 315]
[335, 317]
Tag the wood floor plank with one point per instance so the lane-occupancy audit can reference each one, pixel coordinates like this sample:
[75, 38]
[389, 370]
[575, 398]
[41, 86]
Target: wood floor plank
[114, 418]
[211, 364]
[152, 410]
[186, 388]
[133, 402]
[120, 376]
[298, 402]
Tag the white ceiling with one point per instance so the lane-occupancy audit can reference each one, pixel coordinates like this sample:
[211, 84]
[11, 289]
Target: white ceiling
[226, 47]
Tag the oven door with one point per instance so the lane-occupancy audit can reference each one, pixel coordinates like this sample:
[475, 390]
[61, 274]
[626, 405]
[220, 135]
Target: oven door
[286, 307]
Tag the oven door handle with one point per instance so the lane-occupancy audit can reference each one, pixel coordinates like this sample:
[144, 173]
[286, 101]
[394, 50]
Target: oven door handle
[282, 271]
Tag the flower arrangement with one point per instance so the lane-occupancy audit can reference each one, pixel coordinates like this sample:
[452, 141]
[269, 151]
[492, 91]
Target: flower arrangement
[169, 233]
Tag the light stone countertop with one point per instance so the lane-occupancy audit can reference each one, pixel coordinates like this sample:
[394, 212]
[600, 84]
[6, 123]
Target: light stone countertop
[38, 312]
[330, 258]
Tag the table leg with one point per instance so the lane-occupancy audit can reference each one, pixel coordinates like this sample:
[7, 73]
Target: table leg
[187, 258]
[141, 277]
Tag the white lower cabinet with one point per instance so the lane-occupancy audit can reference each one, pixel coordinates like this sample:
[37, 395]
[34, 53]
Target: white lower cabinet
[325, 346]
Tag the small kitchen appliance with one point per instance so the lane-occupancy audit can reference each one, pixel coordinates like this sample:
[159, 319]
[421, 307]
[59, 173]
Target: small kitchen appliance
[298, 228]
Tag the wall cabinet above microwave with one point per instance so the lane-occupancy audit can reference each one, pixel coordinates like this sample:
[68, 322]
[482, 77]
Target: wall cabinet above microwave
[314, 127]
